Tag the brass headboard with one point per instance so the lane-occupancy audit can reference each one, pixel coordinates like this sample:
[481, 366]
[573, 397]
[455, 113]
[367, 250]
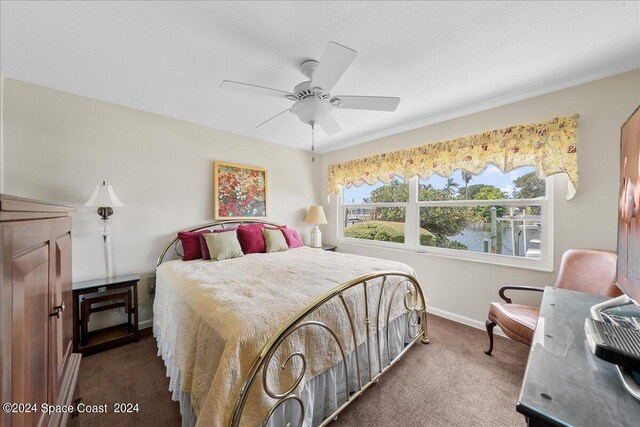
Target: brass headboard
[220, 224]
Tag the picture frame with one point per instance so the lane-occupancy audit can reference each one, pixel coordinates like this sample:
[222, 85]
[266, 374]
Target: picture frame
[239, 191]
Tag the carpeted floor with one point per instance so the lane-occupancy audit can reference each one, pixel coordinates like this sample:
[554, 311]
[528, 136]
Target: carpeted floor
[449, 382]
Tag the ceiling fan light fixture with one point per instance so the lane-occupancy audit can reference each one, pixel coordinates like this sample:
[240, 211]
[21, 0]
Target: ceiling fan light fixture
[311, 110]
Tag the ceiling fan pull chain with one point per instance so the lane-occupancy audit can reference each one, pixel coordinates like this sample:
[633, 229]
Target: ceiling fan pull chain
[313, 142]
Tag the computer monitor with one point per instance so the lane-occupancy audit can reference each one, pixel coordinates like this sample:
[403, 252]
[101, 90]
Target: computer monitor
[628, 267]
[628, 272]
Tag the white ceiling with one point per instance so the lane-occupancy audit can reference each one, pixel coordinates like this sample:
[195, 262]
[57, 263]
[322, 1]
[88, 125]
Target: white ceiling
[442, 58]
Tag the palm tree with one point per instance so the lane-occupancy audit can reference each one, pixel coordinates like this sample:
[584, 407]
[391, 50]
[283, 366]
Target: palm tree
[451, 186]
[466, 177]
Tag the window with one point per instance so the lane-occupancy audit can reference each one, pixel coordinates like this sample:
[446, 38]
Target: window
[494, 217]
[376, 212]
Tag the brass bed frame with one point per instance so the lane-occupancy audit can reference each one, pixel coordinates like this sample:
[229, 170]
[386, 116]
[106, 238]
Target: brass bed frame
[416, 311]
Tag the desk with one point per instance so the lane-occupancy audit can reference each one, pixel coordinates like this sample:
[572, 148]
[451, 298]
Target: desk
[564, 383]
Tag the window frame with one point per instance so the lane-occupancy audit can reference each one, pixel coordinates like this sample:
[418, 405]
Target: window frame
[412, 226]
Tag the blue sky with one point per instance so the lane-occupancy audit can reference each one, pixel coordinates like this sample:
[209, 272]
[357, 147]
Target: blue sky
[491, 176]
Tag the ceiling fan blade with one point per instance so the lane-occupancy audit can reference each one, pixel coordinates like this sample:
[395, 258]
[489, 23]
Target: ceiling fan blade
[228, 84]
[268, 120]
[335, 61]
[380, 103]
[329, 125]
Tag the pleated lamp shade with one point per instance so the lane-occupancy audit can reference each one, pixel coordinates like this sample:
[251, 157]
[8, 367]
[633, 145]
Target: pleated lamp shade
[315, 215]
[104, 197]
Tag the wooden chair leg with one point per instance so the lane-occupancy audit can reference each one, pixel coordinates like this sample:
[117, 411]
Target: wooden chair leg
[490, 325]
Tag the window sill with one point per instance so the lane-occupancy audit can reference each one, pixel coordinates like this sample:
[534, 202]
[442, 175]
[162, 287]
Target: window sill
[482, 258]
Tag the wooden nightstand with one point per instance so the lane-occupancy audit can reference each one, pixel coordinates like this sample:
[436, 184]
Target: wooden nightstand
[97, 295]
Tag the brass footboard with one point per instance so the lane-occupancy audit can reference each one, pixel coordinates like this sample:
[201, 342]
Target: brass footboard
[415, 305]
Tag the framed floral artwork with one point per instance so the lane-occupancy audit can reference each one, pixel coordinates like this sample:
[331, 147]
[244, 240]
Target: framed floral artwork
[239, 191]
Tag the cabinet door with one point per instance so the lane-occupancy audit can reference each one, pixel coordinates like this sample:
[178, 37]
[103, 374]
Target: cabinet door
[62, 326]
[30, 335]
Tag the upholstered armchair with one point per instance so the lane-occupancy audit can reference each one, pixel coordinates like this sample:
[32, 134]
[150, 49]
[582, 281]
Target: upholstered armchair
[584, 270]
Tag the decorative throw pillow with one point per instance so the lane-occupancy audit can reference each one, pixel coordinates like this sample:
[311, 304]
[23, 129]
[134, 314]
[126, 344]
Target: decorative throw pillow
[203, 247]
[203, 242]
[223, 246]
[191, 244]
[274, 240]
[251, 240]
[292, 238]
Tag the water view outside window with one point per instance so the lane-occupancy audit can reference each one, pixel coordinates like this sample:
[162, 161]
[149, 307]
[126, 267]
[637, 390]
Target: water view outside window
[478, 213]
[496, 229]
[490, 227]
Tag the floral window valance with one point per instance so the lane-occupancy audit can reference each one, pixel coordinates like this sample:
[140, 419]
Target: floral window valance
[550, 147]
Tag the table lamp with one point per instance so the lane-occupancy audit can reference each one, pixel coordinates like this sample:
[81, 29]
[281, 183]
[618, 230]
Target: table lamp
[316, 216]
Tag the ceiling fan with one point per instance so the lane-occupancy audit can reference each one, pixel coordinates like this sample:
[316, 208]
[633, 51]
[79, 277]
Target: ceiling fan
[312, 100]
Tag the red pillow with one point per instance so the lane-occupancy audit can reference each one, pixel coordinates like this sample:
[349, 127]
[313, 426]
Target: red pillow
[251, 239]
[191, 244]
[292, 237]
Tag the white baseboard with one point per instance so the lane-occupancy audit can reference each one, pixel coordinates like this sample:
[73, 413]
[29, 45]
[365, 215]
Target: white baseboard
[144, 324]
[462, 319]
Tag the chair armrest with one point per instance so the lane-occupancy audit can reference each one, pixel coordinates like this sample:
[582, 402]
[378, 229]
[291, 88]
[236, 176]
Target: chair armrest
[519, 288]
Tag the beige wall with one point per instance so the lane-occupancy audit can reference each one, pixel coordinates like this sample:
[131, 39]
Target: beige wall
[465, 288]
[58, 147]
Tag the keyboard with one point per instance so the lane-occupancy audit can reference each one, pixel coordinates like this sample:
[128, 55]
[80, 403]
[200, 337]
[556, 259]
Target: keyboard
[615, 344]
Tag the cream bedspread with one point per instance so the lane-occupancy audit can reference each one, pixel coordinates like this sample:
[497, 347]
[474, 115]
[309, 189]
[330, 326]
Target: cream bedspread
[214, 317]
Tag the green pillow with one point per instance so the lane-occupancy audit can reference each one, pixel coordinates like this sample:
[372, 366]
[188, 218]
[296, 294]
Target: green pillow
[274, 240]
[223, 245]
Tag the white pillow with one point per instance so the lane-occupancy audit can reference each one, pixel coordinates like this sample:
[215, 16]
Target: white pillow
[274, 240]
[223, 245]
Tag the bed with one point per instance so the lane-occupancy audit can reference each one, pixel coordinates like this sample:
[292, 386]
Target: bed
[280, 339]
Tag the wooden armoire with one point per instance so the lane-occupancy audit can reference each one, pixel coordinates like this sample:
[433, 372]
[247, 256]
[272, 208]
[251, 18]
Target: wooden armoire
[36, 325]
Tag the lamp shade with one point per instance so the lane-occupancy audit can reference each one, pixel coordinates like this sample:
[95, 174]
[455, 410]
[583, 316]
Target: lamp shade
[315, 215]
[104, 197]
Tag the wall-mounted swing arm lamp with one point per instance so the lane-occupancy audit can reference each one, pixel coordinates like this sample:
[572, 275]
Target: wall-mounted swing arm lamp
[105, 199]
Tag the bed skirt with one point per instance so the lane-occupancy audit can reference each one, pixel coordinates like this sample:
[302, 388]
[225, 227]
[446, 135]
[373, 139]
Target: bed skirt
[322, 394]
